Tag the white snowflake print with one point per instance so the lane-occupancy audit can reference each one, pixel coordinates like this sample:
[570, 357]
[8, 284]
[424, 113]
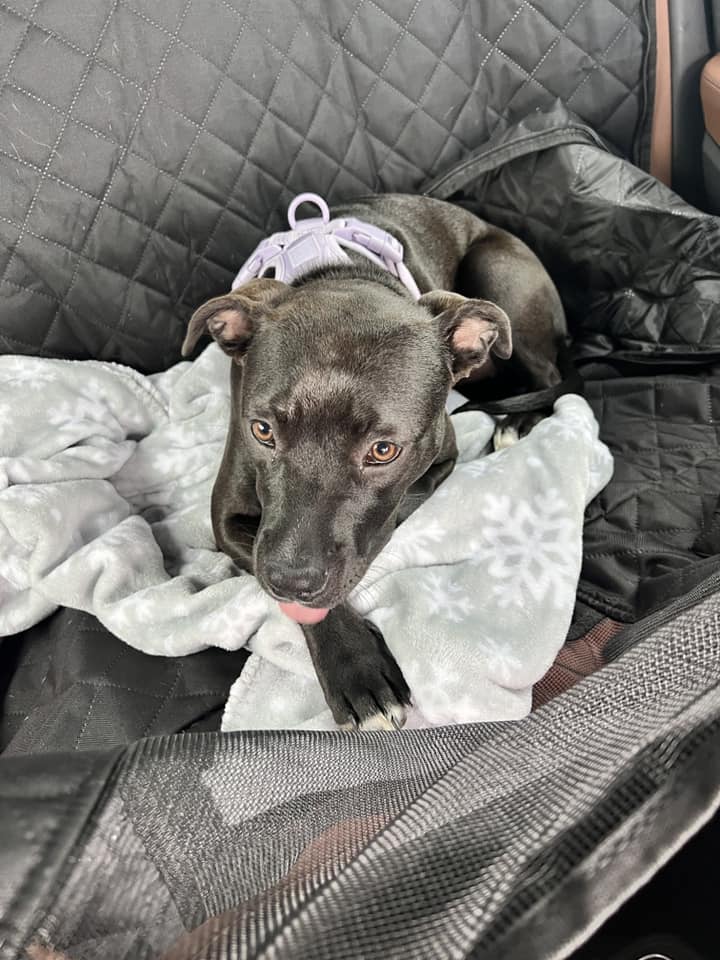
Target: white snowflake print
[528, 547]
[445, 599]
[499, 658]
[414, 545]
[436, 687]
[571, 423]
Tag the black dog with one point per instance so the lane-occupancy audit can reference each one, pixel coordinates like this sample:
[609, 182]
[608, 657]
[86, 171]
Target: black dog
[338, 427]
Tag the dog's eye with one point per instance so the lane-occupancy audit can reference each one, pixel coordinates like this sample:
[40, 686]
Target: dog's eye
[263, 432]
[384, 451]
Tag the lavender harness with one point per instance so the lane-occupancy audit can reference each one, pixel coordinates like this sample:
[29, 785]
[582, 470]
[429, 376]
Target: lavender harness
[321, 242]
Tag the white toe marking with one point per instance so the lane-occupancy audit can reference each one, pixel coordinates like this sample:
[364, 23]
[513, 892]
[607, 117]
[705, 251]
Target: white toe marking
[505, 437]
[392, 720]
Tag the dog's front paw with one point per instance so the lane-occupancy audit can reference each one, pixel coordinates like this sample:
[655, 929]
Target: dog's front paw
[363, 685]
[372, 703]
[371, 693]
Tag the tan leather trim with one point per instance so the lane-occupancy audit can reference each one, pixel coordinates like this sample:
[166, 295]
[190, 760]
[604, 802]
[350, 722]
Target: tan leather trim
[710, 96]
[661, 136]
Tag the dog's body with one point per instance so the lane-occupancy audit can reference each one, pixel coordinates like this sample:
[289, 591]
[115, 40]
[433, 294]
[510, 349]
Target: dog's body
[338, 427]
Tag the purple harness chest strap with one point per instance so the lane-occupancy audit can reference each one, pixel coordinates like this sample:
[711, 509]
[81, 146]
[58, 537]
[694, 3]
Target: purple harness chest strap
[322, 242]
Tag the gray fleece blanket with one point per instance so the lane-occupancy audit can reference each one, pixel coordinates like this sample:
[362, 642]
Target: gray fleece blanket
[105, 482]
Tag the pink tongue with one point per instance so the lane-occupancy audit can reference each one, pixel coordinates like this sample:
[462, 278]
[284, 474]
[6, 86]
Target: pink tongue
[301, 614]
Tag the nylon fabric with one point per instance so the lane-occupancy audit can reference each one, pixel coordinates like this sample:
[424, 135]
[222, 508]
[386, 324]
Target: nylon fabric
[472, 841]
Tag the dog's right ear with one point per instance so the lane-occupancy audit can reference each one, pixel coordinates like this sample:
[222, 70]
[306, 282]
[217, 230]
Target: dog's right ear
[230, 319]
[470, 329]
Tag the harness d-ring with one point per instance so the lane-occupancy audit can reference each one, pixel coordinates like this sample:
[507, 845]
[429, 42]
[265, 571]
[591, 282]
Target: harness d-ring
[308, 198]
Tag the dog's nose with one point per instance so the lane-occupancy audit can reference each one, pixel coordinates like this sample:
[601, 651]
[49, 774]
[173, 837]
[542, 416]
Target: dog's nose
[301, 583]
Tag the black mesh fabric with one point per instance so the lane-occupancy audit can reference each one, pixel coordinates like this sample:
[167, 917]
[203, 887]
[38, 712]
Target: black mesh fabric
[503, 841]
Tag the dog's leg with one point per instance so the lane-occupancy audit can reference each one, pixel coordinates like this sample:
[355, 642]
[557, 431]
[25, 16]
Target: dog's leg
[499, 267]
[362, 683]
[539, 372]
[513, 427]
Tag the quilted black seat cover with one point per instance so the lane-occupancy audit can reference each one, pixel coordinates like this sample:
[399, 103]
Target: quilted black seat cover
[146, 147]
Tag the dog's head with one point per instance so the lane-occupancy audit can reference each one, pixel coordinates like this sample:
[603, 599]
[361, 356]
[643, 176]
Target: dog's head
[339, 399]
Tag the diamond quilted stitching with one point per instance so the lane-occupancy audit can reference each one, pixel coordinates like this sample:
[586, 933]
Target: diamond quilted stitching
[315, 58]
[108, 103]
[433, 25]
[168, 13]
[139, 190]
[61, 215]
[604, 20]
[255, 66]
[298, 83]
[85, 158]
[369, 44]
[112, 241]
[9, 233]
[326, 172]
[163, 136]
[562, 68]
[165, 275]
[441, 101]
[211, 36]
[81, 17]
[527, 39]
[234, 117]
[12, 37]
[283, 141]
[188, 83]
[355, 81]
[18, 182]
[270, 28]
[32, 240]
[412, 66]
[62, 68]
[27, 130]
[298, 113]
[35, 263]
[211, 170]
[133, 46]
[26, 311]
[329, 116]
[38, 263]
[206, 112]
[107, 287]
[186, 207]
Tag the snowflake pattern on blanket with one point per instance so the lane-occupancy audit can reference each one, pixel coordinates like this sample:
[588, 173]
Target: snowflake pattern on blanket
[105, 482]
[528, 548]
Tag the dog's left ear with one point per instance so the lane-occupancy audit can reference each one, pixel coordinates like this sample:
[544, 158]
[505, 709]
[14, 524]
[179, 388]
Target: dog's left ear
[231, 319]
[470, 329]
